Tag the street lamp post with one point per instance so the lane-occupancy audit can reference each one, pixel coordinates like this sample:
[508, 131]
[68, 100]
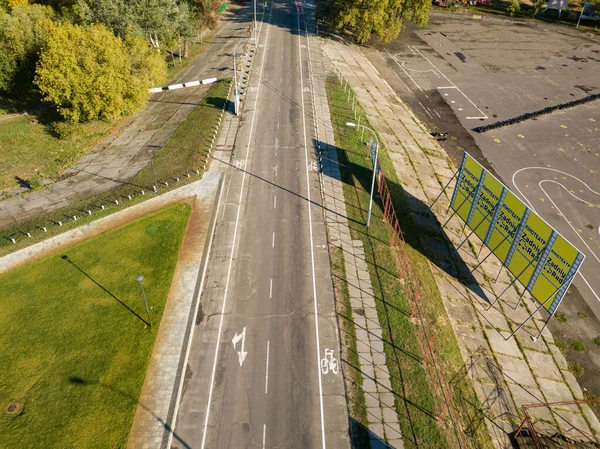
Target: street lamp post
[140, 279]
[353, 125]
[153, 172]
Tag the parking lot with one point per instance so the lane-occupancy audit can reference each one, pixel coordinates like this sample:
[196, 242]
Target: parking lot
[457, 76]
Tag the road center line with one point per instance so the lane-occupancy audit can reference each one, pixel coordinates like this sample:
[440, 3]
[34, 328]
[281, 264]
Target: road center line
[267, 371]
[271, 288]
[273, 242]
[237, 218]
[264, 434]
[310, 227]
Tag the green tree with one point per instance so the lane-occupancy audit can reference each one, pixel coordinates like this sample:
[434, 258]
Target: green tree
[514, 7]
[23, 32]
[90, 73]
[384, 18]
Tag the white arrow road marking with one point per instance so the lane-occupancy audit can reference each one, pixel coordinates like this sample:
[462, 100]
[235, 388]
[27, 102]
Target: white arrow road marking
[241, 354]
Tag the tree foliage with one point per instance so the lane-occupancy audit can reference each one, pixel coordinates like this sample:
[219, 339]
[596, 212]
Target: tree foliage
[159, 21]
[23, 32]
[384, 18]
[91, 73]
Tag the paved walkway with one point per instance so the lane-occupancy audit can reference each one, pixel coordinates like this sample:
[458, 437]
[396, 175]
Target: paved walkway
[505, 374]
[124, 153]
[379, 397]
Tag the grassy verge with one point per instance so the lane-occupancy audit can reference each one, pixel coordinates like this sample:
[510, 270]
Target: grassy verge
[185, 151]
[30, 149]
[175, 66]
[416, 405]
[74, 342]
[352, 372]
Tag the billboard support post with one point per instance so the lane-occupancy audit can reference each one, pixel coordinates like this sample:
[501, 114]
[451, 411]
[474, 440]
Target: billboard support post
[542, 304]
[473, 230]
[539, 253]
[444, 189]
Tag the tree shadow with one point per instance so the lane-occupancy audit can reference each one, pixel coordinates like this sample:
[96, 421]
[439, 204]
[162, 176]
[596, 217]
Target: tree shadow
[67, 259]
[77, 380]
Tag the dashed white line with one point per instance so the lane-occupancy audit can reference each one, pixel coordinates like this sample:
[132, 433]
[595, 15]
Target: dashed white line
[267, 371]
[264, 434]
[273, 242]
[271, 288]
[275, 202]
[214, 369]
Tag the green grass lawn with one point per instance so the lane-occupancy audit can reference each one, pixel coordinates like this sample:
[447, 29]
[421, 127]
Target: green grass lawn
[74, 347]
[416, 405]
[30, 148]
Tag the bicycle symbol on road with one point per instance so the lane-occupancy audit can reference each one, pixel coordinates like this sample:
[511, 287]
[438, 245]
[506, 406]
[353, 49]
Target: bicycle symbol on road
[329, 362]
[239, 163]
[313, 166]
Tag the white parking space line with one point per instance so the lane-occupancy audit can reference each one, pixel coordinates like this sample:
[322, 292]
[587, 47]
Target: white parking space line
[404, 70]
[236, 227]
[483, 115]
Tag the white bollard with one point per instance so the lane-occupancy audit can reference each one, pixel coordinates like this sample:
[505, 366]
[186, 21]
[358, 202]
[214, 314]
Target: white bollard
[117, 202]
[28, 235]
[13, 240]
[44, 228]
[59, 223]
[74, 217]
[143, 193]
[89, 212]
[102, 206]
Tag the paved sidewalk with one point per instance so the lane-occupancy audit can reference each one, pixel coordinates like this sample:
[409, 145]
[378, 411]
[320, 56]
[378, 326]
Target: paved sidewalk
[119, 157]
[505, 374]
[379, 397]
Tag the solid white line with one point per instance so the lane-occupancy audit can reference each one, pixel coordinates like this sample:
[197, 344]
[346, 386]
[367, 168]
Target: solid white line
[446, 87]
[477, 118]
[267, 370]
[273, 242]
[271, 288]
[425, 109]
[237, 218]
[191, 336]
[264, 434]
[407, 74]
[448, 79]
[436, 113]
[312, 254]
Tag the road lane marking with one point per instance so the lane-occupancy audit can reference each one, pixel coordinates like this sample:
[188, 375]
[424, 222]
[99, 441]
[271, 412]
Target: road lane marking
[312, 253]
[407, 74]
[271, 288]
[483, 116]
[275, 202]
[273, 242]
[237, 218]
[264, 434]
[267, 370]
[241, 353]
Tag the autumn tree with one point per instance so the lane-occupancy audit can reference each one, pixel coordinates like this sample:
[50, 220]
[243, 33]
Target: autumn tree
[90, 73]
[23, 32]
[384, 18]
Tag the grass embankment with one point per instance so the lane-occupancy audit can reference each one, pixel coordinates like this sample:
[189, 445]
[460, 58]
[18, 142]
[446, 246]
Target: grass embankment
[73, 340]
[416, 405]
[356, 398]
[185, 151]
[31, 150]
[40, 145]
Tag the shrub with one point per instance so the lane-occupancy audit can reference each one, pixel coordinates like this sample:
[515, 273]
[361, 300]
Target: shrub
[577, 346]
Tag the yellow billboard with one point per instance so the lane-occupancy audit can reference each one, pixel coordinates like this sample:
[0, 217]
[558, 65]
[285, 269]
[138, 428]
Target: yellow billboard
[541, 259]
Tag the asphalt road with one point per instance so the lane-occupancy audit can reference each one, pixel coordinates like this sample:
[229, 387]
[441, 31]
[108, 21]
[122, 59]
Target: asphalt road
[455, 81]
[254, 376]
